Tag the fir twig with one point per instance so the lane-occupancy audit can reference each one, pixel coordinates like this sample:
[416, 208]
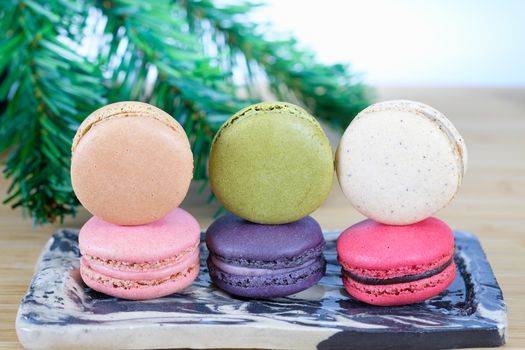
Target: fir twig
[186, 83]
[49, 89]
[331, 92]
[156, 52]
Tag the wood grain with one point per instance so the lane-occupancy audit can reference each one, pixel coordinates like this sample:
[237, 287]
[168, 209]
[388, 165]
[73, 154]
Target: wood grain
[491, 202]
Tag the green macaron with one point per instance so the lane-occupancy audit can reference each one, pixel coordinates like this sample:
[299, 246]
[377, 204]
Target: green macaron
[271, 163]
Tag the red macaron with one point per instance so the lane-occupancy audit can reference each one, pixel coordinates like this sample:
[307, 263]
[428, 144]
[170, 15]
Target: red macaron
[396, 265]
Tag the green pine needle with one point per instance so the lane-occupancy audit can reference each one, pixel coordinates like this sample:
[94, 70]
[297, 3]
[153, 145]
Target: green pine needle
[331, 92]
[157, 52]
[43, 84]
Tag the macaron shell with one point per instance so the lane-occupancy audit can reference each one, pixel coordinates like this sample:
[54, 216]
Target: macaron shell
[401, 293]
[271, 163]
[162, 239]
[399, 162]
[234, 238]
[431, 113]
[131, 168]
[410, 249]
[179, 283]
[124, 109]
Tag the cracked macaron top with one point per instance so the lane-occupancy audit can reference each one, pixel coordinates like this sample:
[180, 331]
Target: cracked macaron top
[271, 163]
[399, 162]
[131, 163]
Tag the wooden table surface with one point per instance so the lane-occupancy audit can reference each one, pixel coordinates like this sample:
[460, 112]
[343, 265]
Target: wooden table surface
[491, 202]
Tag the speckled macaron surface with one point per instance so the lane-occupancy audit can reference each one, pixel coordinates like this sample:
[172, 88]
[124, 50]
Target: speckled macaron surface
[131, 163]
[271, 163]
[399, 162]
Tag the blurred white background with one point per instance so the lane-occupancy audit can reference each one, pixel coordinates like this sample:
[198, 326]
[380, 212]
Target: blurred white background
[408, 42]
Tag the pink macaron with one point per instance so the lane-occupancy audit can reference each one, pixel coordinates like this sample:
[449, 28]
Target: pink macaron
[140, 262]
[396, 265]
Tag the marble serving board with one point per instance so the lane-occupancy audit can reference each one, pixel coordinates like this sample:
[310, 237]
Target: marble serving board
[60, 311]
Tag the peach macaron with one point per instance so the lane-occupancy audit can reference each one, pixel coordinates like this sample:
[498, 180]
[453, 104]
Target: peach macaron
[131, 163]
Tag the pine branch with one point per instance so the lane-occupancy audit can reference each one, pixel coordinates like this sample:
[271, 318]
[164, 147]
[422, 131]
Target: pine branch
[157, 52]
[48, 89]
[331, 92]
[186, 83]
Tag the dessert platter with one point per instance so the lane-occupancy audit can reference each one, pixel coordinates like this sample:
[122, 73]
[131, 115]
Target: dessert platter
[60, 311]
[141, 274]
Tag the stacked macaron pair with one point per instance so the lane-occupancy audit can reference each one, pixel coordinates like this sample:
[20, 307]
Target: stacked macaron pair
[131, 168]
[270, 165]
[398, 163]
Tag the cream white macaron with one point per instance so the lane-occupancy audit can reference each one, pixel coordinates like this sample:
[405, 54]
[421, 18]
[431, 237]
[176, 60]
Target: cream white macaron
[399, 162]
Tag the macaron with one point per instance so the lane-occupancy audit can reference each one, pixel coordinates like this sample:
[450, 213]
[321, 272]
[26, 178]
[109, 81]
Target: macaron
[399, 162]
[140, 262]
[390, 265]
[131, 163]
[265, 261]
[271, 163]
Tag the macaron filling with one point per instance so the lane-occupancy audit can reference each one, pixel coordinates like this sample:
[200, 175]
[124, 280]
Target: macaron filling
[250, 271]
[284, 263]
[271, 277]
[399, 279]
[440, 280]
[128, 280]
[140, 266]
[399, 271]
[158, 273]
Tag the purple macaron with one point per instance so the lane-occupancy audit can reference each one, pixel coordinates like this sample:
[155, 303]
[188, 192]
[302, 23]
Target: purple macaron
[265, 261]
